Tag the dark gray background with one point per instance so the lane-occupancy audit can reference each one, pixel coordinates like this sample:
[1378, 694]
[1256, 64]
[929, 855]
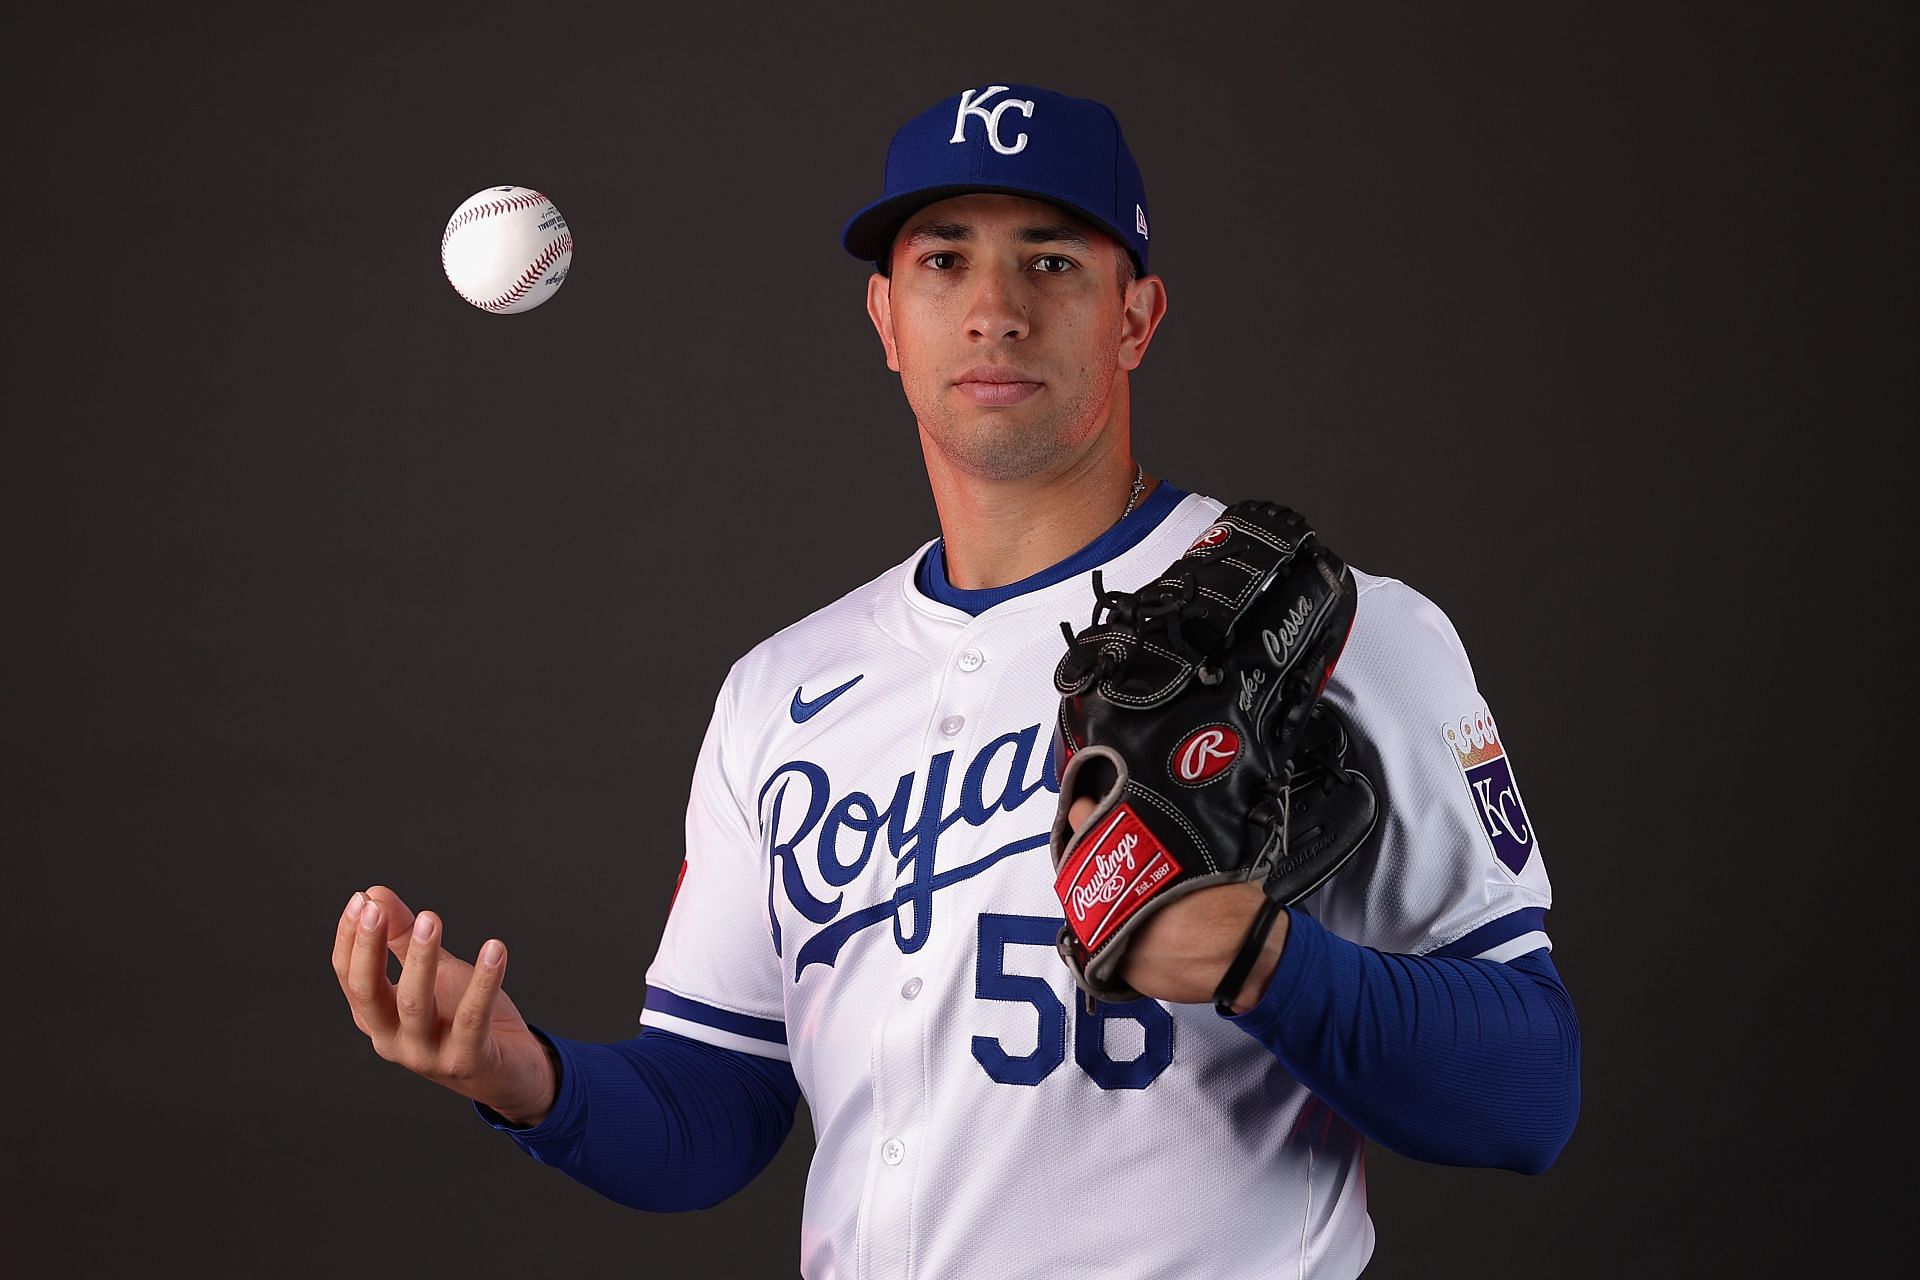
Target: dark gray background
[1582, 320]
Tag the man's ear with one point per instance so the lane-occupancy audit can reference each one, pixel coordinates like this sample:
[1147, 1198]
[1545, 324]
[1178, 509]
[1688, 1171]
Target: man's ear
[880, 311]
[1144, 306]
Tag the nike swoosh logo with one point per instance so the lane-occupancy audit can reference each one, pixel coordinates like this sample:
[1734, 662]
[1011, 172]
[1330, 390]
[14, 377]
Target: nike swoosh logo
[804, 711]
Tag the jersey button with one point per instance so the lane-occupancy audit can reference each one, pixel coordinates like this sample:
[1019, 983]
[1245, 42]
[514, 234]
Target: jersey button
[971, 659]
[952, 725]
[911, 989]
[894, 1152]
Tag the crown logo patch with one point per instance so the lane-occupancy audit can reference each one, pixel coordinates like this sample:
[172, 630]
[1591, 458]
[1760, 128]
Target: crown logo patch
[1482, 758]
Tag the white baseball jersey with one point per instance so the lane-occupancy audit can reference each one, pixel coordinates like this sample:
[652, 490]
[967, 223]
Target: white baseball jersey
[868, 894]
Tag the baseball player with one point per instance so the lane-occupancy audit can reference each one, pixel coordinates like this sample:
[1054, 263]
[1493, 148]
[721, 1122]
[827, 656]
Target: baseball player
[867, 914]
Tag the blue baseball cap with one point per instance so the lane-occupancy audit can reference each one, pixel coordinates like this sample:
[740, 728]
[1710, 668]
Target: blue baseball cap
[1014, 139]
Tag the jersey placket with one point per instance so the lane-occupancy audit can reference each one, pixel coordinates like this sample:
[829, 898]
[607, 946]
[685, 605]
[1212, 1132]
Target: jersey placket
[899, 1104]
[900, 1071]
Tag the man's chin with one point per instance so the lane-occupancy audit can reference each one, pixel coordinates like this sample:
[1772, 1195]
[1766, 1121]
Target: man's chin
[1004, 450]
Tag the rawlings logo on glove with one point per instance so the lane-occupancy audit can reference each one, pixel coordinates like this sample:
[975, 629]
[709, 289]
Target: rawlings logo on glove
[1190, 715]
[1205, 755]
[1104, 883]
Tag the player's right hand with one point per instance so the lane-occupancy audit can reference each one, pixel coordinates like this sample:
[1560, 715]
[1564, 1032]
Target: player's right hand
[445, 1019]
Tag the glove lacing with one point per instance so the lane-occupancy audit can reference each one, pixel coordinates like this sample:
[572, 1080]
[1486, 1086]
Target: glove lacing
[1275, 810]
[1158, 615]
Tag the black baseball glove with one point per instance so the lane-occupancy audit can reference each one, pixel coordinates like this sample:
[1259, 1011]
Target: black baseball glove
[1190, 714]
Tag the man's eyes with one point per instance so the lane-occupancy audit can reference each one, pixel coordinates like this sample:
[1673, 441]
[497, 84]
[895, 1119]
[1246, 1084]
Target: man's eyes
[1051, 264]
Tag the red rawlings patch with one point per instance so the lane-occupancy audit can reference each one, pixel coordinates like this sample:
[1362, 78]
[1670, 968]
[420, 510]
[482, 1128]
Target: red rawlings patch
[1117, 870]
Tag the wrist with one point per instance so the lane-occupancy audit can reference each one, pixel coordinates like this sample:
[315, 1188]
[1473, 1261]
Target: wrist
[531, 1109]
[1260, 977]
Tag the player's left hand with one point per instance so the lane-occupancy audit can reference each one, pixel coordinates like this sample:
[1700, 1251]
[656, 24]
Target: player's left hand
[1183, 949]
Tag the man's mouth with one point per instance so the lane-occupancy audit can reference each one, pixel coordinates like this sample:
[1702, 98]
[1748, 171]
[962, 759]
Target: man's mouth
[996, 385]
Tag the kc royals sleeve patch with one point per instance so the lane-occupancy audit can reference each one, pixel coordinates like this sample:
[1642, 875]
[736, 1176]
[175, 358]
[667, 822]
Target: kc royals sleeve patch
[1483, 762]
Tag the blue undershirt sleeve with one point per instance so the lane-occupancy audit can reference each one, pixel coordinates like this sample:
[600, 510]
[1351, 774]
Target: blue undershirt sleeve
[660, 1122]
[1453, 1061]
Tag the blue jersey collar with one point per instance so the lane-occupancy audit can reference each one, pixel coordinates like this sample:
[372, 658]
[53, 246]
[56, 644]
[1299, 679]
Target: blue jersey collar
[1127, 533]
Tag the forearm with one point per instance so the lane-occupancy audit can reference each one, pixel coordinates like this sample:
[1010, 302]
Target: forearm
[661, 1122]
[1464, 1062]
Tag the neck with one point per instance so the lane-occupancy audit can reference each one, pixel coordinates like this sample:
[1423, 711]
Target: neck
[1000, 531]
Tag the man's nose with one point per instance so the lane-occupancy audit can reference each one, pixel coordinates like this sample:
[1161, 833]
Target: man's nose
[998, 308]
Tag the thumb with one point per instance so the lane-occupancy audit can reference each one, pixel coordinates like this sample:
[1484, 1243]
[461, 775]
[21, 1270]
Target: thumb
[1077, 812]
[399, 919]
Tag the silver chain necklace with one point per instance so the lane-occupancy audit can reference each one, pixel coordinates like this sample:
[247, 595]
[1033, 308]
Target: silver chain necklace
[1139, 487]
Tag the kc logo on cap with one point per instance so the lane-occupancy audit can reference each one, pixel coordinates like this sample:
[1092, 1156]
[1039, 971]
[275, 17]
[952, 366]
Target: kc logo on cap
[971, 106]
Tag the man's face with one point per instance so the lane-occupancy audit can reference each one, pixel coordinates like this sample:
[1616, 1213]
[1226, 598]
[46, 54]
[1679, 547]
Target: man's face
[1008, 325]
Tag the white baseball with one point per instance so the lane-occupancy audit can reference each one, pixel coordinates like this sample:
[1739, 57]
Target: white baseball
[506, 249]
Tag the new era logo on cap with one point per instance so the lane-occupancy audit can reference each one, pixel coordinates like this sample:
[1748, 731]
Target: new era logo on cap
[1014, 139]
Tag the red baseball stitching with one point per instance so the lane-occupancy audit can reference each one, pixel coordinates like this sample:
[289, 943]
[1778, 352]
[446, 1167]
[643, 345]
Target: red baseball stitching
[525, 200]
[529, 277]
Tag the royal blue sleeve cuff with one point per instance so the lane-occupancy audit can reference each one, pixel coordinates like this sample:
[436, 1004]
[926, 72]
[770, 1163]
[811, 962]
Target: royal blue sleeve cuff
[1446, 1059]
[569, 1111]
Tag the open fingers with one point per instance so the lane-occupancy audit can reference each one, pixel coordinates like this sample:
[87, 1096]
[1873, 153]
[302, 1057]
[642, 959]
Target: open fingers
[400, 918]
[343, 936]
[413, 997]
[473, 1019]
[368, 990]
